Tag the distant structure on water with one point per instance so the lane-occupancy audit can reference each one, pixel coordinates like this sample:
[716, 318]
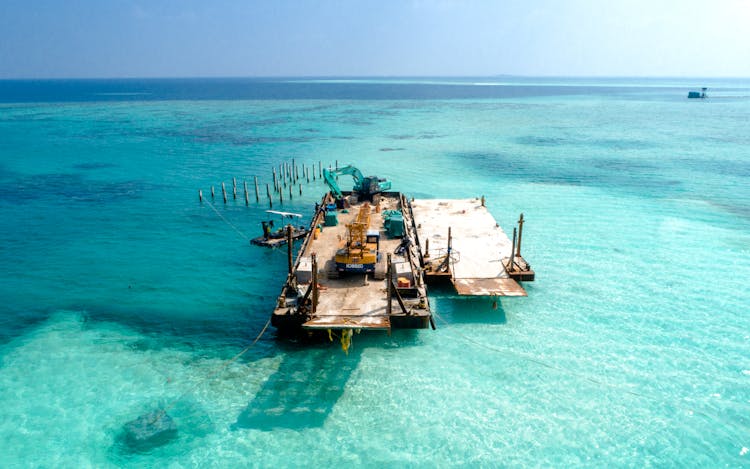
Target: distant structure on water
[698, 95]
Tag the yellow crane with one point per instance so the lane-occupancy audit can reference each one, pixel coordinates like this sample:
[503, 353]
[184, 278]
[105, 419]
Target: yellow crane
[359, 252]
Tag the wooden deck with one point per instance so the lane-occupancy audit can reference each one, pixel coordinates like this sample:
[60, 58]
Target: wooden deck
[477, 261]
[353, 300]
[480, 249]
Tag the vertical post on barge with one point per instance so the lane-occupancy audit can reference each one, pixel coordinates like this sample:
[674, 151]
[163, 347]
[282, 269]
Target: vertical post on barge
[450, 245]
[314, 283]
[290, 247]
[512, 252]
[389, 286]
[520, 231]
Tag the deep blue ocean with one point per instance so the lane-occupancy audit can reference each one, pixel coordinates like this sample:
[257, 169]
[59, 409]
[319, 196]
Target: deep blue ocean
[122, 293]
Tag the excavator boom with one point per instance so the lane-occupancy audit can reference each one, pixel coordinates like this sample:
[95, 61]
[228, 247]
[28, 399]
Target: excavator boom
[364, 186]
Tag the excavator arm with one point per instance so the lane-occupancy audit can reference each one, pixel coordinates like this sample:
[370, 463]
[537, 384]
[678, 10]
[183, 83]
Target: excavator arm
[365, 186]
[329, 175]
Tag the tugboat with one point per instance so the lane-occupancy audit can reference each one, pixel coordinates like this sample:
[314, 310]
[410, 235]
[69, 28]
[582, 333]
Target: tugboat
[278, 237]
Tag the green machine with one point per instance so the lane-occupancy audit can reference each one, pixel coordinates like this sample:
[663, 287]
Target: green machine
[364, 187]
[331, 218]
[393, 220]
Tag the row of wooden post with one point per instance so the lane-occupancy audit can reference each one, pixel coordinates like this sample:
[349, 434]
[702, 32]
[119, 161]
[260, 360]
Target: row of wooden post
[288, 176]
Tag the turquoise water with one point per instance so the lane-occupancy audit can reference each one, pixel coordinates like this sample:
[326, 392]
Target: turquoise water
[121, 292]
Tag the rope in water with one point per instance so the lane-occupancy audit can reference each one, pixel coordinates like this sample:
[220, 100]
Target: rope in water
[162, 412]
[713, 419]
[227, 221]
[221, 368]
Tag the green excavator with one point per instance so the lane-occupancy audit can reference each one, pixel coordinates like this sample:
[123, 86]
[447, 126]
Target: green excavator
[364, 186]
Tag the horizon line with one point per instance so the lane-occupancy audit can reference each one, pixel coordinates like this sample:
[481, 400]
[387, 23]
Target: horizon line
[364, 77]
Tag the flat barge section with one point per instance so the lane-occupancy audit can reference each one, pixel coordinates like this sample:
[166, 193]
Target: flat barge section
[461, 242]
[379, 284]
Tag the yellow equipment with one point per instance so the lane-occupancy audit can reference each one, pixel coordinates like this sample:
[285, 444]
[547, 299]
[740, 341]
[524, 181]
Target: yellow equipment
[360, 250]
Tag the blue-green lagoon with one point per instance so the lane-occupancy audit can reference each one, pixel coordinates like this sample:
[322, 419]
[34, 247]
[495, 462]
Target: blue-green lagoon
[121, 292]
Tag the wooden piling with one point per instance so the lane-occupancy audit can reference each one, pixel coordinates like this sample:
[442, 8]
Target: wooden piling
[247, 198]
[290, 247]
[275, 183]
[200, 195]
[257, 196]
[389, 286]
[234, 187]
[224, 192]
[314, 283]
[446, 263]
[300, 189]
[482, 201]
[290, 191]
[320, 169]
[212, 192]
[270, 199]
[281, 197]
[520, 231]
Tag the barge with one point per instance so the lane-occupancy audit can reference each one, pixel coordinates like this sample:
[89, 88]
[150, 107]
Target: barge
[358, 268]
[369, 254]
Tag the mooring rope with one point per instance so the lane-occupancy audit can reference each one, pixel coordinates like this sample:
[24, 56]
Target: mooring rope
[162, 412]
[221, 368]
[714, 419]
[227, 221]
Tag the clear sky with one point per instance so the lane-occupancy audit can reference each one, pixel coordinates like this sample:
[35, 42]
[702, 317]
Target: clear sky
[184, 38]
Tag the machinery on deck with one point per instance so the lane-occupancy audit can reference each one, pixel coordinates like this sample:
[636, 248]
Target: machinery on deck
[364, 186]
[360, 249]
